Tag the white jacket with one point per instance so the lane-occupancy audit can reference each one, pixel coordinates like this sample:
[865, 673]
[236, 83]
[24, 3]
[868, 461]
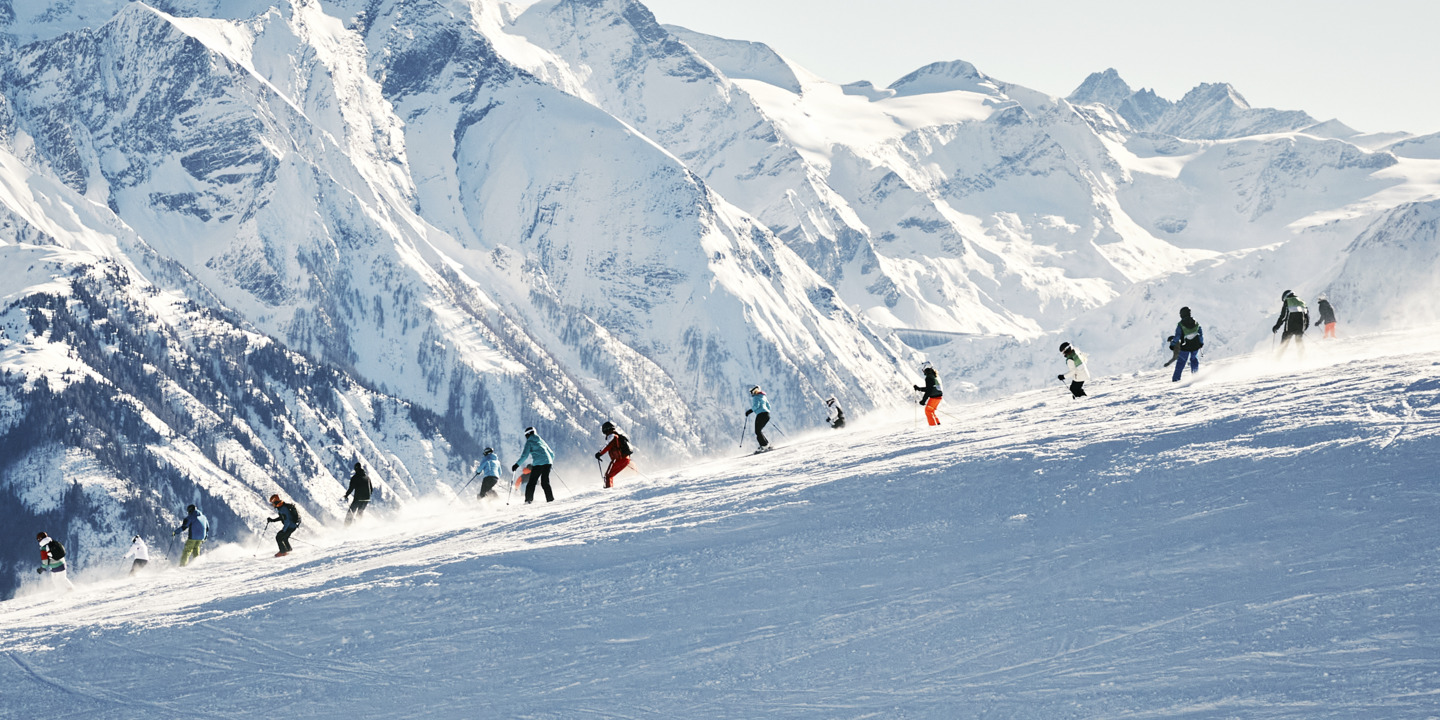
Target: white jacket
[138, 550]
[1079, 370]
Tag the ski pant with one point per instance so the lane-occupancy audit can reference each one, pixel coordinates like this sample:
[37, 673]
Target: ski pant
[930, 406]
[839, 423]
[57, 576]
[1330, 330]
[1077, 388]
[191, 551]
[282, 539]
[615, 467]
[539, 474]
[138, 565]
[761, 420]
[357, 509]
[487, 485]
[1193, 356]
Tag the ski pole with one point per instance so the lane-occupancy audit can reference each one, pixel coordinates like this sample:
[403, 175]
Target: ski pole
[743, 420]
[636, 469]
[467, 482]
[514, 480]
[782, 432]
[563, 483]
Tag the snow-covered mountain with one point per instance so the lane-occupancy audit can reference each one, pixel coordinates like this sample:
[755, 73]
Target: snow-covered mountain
[457, 218]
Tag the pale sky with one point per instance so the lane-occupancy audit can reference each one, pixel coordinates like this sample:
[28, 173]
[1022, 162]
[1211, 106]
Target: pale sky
[1375, 65]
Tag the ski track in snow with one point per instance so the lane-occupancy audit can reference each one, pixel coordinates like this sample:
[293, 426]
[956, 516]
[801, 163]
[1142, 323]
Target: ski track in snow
[1258, 541]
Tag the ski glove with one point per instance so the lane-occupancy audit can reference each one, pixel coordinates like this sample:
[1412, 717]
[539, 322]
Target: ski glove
[514, 467]
[40, 570]
[922, 401]
[597, 455]
[918, 388]
[748, 413]
[1059, 377]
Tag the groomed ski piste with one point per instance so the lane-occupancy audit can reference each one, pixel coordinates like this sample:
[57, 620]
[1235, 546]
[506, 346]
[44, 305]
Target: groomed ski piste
[1259, 541]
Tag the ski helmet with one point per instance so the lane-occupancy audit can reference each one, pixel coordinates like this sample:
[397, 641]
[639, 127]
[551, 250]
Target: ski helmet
[1064, 347]
[1321, 296]
[754, 389]
[189, 508]
[1185, 312]
[357, 466]
[607, 427]
[1286, 294]
[41, 536]
[529, 431]
[926, 366]
[489, 451]
[830, 400]
[137, 537]
[275, 500]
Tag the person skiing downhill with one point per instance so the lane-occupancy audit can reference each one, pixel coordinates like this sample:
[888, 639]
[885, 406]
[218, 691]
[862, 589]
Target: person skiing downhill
[619, 449]
[140, 551]
[198, 528]
[1078, 373]
[360, 486]
[760, 408]
[1189, 338]
[932, 394]
[835, 414]
[289, 518]
[1296, 318]
[541, 458]
[52, 558]
[489, 473]
[1327, 316]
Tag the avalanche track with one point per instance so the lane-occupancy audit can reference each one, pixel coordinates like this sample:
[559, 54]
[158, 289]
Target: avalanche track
[1260, 541]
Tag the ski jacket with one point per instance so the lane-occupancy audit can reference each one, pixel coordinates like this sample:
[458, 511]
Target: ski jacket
[1292, 306]
[834, 412]
[1191, 338]
[48, 563]
[1327, 313]
[288, 516]
[759, 403]
[538, 452]
[490, 466]
[360, 485]
[1078, 371]
[138, 550]
[196, 523]
[932, 387]
[612, 448]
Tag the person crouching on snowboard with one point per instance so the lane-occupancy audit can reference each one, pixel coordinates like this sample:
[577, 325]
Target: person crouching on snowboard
[618, 447]
[760, 408]
[489, 473]
[933, 394]
[540, 459]
[1078, 373]
[289, 518]
[835, 415]
[52, 558]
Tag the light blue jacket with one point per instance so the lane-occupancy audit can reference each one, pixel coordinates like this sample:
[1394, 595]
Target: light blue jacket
[490, 466]
[196, 523]
[759, 403]
[538, 452]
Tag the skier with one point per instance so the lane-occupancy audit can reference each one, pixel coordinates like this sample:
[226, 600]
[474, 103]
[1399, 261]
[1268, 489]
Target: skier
[540, 459]
[1190, 338]
[1295, 317]
[835, 414]
[52, 558]
[289, 518]
[489, 473]
[933, 394]
[198, 528]
[619, 449]
[1078, 373]
[1327, 317]
[140, 551]
[360, 486]
[760, 408]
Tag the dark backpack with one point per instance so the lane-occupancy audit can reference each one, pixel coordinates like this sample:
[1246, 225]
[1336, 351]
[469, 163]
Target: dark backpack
[626, 449]
[294, 513]
[57, 551]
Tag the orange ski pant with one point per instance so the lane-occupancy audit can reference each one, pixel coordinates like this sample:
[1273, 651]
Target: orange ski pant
[930, 411]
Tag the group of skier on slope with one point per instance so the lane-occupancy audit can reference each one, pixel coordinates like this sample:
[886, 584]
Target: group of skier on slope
[538, 459]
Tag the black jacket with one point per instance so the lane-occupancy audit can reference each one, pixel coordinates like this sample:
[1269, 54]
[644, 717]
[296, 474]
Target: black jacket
[932, 387]
[359, 485]
[1327, 313]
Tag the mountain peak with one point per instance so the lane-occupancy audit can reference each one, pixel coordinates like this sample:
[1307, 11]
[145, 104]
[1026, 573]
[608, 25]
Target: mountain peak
[1209, 94]
[945, 77]
[1106, 88]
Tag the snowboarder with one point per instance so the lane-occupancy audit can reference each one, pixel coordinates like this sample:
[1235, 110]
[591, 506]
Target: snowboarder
[360, 486]
[932, 394]
[489, 473]
[140, 551]
[835, 414]
[760, 408]
[619, 448]
[1296, 318]
[198, 528]
[541, 458]
[1078, 373]
[289, 518]
[1327, 316]
[1189, 339]
[52, 558]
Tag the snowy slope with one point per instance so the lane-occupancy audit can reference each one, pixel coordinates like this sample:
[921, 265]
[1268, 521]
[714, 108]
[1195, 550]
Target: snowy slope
[1256, 543]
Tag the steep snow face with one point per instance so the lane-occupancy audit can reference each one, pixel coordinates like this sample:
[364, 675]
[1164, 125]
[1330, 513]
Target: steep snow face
[1389, 277]
[1255, 542]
